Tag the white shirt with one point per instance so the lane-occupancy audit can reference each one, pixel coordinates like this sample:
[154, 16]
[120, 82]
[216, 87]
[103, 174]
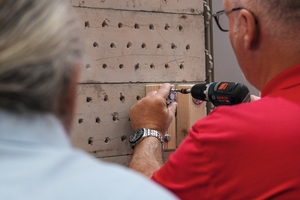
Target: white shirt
[37, 162]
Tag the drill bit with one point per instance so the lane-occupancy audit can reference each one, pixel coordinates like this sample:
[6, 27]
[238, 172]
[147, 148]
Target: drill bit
[183, 90]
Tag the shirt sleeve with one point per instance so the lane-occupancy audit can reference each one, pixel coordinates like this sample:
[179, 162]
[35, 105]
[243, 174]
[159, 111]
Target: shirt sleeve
[188, 173]
[186, 170]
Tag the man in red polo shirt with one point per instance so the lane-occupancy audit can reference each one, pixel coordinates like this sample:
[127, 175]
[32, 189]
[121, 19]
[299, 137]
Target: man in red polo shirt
[246, 151]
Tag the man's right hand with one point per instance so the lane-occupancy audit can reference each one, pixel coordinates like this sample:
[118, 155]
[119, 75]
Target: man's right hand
[152, 112]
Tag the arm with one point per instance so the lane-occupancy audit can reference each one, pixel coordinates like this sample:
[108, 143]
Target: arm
[151, 113]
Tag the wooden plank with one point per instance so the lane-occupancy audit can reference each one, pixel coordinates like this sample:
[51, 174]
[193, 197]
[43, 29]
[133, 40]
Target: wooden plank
[135, 52]
[125, 160]
[188, 113]
[172, 129]
[188, 6]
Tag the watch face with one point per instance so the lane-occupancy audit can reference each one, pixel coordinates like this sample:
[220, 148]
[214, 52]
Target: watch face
[136, 135]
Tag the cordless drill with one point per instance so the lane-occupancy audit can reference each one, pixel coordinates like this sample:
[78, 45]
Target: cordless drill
[219, 93]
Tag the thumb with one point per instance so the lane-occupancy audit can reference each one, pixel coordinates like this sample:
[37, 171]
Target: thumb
[172, 108]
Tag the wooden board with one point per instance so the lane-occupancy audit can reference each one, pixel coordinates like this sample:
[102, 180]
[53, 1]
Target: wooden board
[188, 113]
[172, 129]
[102, 125]
[131, 54]
[173, 6]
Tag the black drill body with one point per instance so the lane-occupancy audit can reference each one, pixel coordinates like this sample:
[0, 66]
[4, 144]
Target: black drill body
[221, 93]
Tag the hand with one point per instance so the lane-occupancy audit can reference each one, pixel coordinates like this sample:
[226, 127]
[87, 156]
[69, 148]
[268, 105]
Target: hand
[254, 98]
[152, 112]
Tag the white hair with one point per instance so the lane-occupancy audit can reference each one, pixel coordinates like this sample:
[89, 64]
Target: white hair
[279, 18]
[39, 46]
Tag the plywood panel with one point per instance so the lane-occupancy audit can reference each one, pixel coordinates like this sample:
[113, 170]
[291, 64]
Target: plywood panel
[188, 113]
[173, 6]
[102, 125]
[135, 52]
[172, 129]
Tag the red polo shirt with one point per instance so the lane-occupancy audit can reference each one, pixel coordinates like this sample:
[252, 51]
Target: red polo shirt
[247, 151]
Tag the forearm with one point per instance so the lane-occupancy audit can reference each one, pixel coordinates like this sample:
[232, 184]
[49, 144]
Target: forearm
[147, 156]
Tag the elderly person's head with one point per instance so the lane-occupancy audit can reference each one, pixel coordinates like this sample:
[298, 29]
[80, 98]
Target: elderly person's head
[39, 51]
[265, 37]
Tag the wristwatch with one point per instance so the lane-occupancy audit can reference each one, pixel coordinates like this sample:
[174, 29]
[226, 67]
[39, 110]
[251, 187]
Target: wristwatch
[140, 133]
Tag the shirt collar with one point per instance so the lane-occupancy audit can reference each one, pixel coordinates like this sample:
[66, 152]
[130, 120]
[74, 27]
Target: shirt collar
[43, 129]
[286, 79]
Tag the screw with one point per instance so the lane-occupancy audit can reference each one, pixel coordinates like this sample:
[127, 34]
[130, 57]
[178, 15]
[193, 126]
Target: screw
[167, 138]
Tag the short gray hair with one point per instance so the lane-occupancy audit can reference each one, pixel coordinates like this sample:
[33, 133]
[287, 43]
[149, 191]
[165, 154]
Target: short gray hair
[39, 46]
[280, 18]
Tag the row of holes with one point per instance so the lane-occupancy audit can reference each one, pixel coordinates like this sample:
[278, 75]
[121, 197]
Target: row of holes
[122, 99]
[115, 118]
[136, 67]
[107, 139]
[136, 26]
[144, 46]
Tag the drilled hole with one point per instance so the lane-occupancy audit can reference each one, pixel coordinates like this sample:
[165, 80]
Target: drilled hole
[152, 66]
[138, 98]
[159, 46]
[120, 25]
[88, 99]
[136, 26]
[87, 24]
[167, 27]
[90, 141]
[144, 45]
[107, 140]
[137, 66]
[121, 66]
[129, 44]
[80, 121]
[115, 117]
[181, 66]
[167, 66]
[104, 66]
[122, 98]
[123, 138]
[104, 24]
[173, 46]
[112, 45]
[180, 28]
[151, 27]
[88, 66]
[95, 44]
[188, 47]
[106, 97]
[98, 120]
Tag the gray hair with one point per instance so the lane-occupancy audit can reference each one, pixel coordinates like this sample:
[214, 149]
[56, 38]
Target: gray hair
[39, 46]
[279, 18]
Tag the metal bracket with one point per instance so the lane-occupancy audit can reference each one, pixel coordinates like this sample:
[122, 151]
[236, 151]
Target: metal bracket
[210, 61]
[207, 12]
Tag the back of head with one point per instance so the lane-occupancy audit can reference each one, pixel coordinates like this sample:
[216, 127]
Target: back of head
[280, 19]
[39, 46]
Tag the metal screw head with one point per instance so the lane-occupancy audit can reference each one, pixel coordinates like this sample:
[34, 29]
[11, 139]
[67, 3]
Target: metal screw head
[167, 138]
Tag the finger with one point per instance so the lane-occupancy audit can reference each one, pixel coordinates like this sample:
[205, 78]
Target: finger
[172, 108]
[151, 93]
[254, 98]
[164, 90]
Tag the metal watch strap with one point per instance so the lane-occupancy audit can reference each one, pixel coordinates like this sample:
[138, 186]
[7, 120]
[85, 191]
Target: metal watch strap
[153, 133]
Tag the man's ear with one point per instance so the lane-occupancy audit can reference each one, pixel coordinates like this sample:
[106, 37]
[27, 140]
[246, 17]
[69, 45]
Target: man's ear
[248, 23]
